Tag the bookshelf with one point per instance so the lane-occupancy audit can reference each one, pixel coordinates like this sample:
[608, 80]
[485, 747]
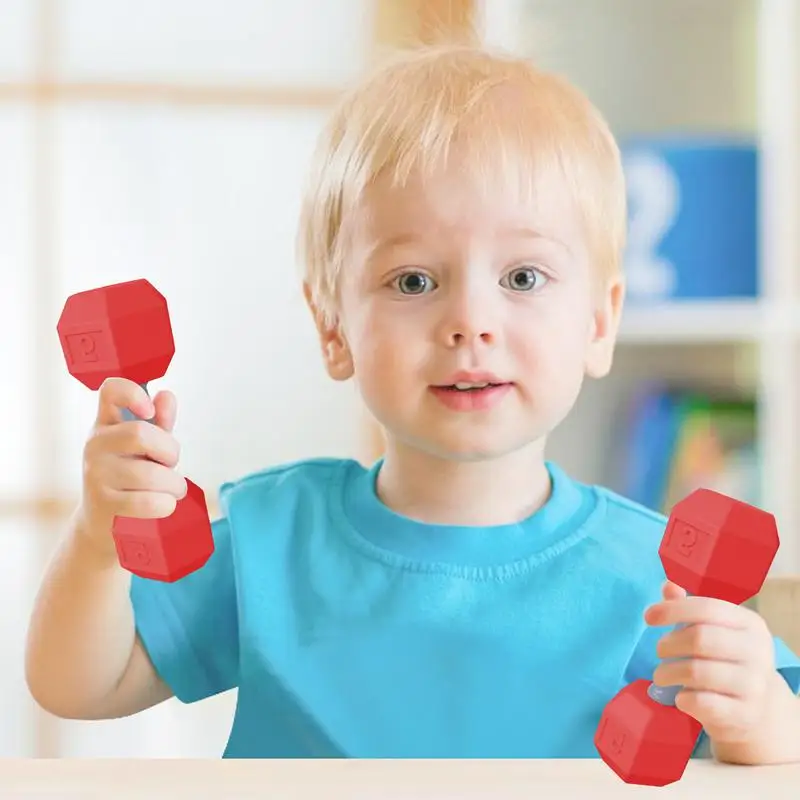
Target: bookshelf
[738, 73]
[730, 322]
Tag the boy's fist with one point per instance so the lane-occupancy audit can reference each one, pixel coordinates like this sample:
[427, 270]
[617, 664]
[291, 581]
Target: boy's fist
[725, 662]
[129, 465]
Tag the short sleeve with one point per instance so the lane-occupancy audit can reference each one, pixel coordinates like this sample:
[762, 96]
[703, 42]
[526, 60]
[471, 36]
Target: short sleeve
[788, 664]
[190, 628]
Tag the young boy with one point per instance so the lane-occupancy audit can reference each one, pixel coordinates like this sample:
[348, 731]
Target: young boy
[463, 597]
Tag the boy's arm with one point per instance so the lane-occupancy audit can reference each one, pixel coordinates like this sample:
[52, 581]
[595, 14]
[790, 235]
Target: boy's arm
[105, 644]
[83, 659]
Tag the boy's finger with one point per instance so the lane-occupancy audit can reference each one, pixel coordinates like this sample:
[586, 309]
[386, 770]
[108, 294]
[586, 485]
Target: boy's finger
[704, 641]
[705, 675]
[711, 709]
[695, 610]
[117, 394]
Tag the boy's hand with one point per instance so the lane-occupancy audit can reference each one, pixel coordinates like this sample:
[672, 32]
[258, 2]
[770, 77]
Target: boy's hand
[128, 466]
[728, 669]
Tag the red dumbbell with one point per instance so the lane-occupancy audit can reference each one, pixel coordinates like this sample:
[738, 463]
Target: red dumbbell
[713, 546]
[123, 330]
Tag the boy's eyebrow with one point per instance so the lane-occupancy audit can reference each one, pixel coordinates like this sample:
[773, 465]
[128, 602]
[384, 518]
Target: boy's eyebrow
[385, 242]
[407, 237]
[532, 233]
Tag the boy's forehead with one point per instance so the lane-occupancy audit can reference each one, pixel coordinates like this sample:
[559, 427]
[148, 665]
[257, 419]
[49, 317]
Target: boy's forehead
[456, 197]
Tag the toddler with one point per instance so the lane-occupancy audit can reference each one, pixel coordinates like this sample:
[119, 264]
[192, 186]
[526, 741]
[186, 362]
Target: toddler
[463, 597]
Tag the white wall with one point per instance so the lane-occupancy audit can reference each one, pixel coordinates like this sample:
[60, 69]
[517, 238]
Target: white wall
[16, 298]
[204, 204]
[682, 65]
[202, 201]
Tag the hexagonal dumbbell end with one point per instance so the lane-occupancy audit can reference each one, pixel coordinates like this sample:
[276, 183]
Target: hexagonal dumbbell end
[715, 546]
[169, 548]
[122, 330]
[643, 741]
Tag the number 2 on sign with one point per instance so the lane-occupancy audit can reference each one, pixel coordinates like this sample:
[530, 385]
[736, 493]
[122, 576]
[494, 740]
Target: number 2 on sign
[654, 200]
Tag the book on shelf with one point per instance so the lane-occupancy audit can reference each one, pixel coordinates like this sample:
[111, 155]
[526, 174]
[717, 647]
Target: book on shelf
[677, 440]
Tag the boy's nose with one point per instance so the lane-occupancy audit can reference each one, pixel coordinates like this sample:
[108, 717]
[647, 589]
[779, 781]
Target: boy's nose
[468, 322]
[458, 338]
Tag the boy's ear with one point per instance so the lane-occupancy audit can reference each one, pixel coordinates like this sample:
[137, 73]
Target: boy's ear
[605, 326]
[335, 352]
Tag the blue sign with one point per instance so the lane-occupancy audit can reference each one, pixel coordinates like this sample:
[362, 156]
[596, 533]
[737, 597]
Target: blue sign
[693, 219]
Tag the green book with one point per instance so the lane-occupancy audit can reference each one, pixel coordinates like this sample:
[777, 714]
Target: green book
[715, 448]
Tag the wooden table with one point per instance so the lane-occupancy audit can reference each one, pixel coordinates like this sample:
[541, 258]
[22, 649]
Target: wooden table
[375, 780]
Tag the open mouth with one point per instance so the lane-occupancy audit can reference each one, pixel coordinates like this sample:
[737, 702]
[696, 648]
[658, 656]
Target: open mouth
[470, 387]
[471, 396]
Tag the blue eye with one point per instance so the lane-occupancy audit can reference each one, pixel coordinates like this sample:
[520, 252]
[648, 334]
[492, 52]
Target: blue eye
[414, 283]
[523, 279]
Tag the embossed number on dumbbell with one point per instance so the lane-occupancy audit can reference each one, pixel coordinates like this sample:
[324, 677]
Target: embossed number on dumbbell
[135, 553]
[687, 541]
[615, 739]
[84, 347]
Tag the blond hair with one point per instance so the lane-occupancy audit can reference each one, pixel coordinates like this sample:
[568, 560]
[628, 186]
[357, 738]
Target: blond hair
[515, 120]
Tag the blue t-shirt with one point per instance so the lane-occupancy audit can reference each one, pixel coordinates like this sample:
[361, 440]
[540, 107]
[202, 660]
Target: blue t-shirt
[350, 631]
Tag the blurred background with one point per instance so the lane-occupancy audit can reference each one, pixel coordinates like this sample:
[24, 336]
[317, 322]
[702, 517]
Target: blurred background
[169, 140]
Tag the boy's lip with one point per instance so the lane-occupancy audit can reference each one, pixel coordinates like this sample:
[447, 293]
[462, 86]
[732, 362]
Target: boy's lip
[465, 376]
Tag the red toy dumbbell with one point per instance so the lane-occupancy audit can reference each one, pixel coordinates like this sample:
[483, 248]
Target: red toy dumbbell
[123, 330]
[713, 546]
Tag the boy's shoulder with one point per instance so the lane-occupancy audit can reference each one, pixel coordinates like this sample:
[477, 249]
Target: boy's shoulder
[314, 475]
[301, 468]
[629, 535]
[631, 512]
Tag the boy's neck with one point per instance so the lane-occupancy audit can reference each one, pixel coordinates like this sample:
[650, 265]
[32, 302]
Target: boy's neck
[441, 491]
